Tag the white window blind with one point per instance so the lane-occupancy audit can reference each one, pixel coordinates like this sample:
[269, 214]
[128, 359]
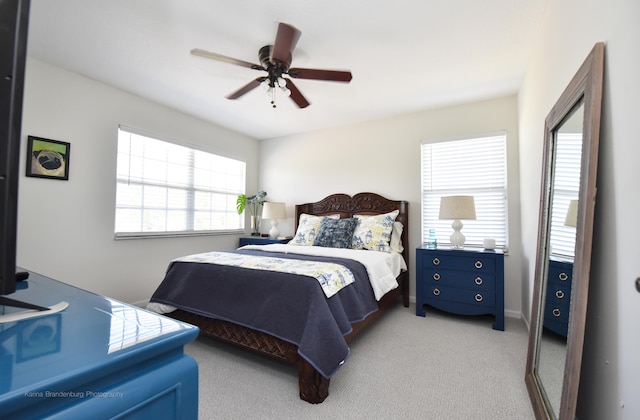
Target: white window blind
[473, 166]
[566, 186]
[165, 189]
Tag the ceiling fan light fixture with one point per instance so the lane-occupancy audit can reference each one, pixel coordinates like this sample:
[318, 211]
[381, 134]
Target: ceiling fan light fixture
[281, 82]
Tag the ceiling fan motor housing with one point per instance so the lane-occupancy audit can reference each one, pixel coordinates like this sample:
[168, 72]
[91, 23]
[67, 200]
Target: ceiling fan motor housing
[276, 68]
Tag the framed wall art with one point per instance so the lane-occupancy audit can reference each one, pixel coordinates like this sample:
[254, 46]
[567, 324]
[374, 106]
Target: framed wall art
[47, 158]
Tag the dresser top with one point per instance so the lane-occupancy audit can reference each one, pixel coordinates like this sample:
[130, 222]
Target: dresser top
[88, 338]
[463, 250]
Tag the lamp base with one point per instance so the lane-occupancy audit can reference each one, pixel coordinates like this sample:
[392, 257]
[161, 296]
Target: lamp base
[274, 232]
[457, 238]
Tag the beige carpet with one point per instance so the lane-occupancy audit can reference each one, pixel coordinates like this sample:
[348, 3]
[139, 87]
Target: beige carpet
[404, 367]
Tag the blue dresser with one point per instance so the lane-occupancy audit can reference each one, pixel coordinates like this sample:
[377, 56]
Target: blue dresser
[465, 282]
[98, 358]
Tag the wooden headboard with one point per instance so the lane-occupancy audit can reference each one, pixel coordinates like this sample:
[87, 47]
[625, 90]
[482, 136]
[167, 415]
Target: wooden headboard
[362, 203]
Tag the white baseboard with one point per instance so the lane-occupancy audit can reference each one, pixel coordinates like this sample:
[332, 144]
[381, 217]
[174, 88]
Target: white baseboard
[512, 314]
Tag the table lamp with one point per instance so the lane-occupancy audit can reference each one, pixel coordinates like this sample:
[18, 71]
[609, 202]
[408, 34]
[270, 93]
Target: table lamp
[457, 207]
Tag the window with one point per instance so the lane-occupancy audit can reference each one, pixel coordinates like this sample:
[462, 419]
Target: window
[164, 189]
[473, 166]
[566, 186]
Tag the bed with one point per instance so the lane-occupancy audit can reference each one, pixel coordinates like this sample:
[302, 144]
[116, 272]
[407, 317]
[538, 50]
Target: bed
[259, 309]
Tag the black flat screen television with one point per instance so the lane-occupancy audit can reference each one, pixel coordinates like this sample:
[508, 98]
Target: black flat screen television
[14, 20]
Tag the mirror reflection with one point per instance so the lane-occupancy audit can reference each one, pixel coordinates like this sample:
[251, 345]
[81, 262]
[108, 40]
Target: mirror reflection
[564, 193]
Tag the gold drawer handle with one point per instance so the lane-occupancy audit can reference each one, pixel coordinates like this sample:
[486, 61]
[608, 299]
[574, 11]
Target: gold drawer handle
[478, 281]
[563, 276]
[556, 312]
[436, 276]
[478, 297]
[478, 265]
[436, 292]
[559, 294]
[436, 261]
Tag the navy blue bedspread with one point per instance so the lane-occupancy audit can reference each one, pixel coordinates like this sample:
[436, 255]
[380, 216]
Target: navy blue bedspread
[291, 307]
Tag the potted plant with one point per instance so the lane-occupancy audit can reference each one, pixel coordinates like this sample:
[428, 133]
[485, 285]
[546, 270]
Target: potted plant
[254, 205]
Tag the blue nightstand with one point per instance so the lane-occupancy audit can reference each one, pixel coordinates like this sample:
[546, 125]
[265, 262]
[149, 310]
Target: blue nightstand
[464, 282]
[259, 240]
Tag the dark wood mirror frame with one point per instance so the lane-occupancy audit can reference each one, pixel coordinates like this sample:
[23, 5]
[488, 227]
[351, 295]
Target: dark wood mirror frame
[586, 86]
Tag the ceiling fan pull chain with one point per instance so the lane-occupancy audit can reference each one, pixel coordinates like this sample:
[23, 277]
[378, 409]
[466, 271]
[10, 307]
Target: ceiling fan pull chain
[273, 97]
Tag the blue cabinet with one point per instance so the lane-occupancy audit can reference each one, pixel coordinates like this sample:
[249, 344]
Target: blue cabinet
[99, 358]
[465, 282]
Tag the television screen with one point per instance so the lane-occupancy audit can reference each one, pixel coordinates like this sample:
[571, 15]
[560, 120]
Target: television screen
[14, 19]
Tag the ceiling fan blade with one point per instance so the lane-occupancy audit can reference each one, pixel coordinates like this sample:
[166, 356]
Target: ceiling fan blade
[296, 95]
[329, 75]
[224, 58]
[286, 40]
[246, 88]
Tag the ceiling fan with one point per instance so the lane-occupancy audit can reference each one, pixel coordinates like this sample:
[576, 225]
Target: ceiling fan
[276, 61]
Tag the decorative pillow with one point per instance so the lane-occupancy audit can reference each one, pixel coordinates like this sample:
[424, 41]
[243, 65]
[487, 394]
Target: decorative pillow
[374, 232]
[396, 237]
[308, 227]
[336, 233]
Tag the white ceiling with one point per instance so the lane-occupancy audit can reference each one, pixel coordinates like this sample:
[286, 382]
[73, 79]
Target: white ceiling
[405, 55]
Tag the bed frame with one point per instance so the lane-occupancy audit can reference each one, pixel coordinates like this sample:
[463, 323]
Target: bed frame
[314, 387]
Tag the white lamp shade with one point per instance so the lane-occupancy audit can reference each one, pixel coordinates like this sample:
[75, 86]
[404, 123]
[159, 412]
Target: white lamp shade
[274, 211]
[572, 214]
[457, 207]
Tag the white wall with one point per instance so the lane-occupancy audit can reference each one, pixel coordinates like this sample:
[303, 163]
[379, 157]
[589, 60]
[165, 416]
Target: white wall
[65, 228]
[383, 156]
[611, 366]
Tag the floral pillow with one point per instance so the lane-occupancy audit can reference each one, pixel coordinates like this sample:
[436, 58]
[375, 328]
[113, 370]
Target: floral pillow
[336, 233]
[308, 227]
[374, 232]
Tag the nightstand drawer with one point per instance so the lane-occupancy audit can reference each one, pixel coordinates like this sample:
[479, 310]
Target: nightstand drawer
[460, 263]
[460, 279]
[556, 318]
[435, 294]
[558, 295]
[556, 313]
[560, 272]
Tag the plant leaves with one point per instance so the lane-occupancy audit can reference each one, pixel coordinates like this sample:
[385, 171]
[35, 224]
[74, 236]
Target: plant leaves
[241, 203]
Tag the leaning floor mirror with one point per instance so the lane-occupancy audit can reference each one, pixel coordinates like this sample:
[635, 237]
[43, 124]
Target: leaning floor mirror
[565, 236]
